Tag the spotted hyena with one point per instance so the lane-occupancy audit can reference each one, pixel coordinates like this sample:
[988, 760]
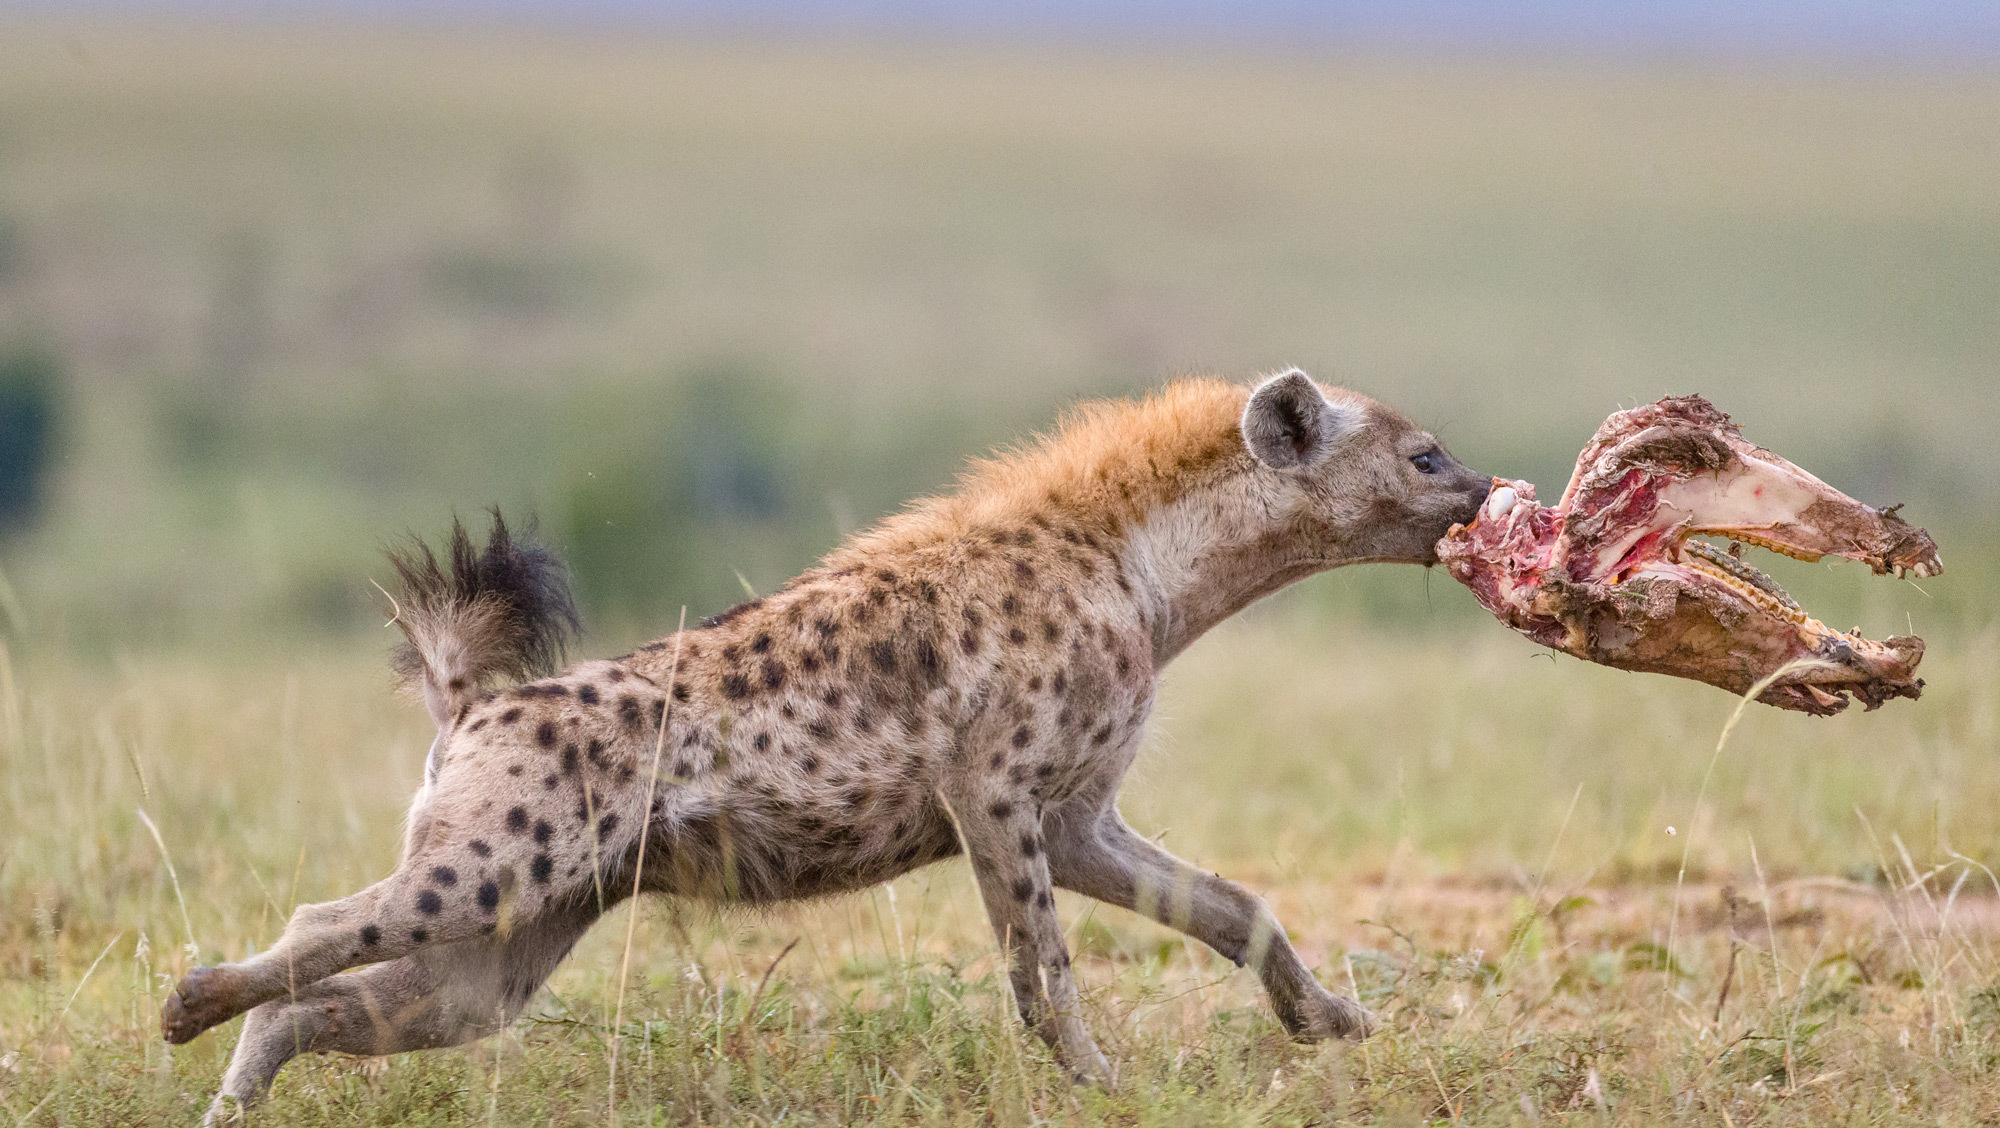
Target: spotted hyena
[971, 676]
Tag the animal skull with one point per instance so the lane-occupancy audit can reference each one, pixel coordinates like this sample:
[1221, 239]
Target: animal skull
[1613, 573]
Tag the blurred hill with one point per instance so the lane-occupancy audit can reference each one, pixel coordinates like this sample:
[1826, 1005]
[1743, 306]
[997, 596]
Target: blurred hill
[1956, 28]
[705, 302]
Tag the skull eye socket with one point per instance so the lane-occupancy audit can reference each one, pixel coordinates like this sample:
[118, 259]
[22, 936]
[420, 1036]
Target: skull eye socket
[1429, 462]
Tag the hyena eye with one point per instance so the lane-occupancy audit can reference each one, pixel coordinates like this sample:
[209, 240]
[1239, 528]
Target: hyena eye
[1429, 462]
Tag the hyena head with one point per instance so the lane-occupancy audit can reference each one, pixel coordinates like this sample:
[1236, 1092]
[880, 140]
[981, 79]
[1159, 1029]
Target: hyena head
[1377, 486]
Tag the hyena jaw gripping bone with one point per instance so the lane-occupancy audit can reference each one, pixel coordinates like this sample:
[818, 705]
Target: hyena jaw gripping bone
[972, 675]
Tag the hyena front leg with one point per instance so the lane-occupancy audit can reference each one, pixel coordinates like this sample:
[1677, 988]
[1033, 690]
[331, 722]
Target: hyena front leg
[443, 995]
[413, 907]
[1001, 825]
[1093, 852]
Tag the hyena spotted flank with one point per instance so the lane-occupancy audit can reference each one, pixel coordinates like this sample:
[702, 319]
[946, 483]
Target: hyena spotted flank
[972, 676]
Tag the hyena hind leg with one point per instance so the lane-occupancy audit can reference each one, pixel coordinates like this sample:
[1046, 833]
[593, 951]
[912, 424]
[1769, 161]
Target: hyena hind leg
[400, 914]
[444, 995]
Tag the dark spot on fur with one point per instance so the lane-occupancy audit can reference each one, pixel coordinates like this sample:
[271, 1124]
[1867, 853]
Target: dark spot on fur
[429, 903]
[476, 725]
[883, 656]
[587, 694]
[1017, 636]
[809, 662]
[762, 742]
[511, 715]
[1043, 900]
[371, 935]
[735, 686]
[489, 896]
[513, 769]
[543, 831]
[445, 875]
[1021, 737]
[1010, 604]
[969, 642]
[569, 758]
[541, 868]
[1030, 846]
[420, 935]
[1001, 810]
[605, 825]
[517, 820]
[480, 848]
[1023, 889]
[550, 780]
[681, 692]
[928, 661]
[820, 729]
[1050, 631]
[774, 673]
[1061, 682]
[1024, 570]
[760, 644]
[997, 761]
[1035, 684]
[1124, 665]
[810, 764]
[1101, 735]
[628, 712]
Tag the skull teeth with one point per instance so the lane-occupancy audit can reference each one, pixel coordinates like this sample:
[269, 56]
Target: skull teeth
[1765, 543]
[1752, 586]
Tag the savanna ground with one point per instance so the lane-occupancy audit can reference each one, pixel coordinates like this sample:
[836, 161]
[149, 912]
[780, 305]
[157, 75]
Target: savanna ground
[1474, 839]
[705, 304]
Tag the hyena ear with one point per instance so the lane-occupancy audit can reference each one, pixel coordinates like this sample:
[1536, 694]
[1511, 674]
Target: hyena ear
[1290, 423]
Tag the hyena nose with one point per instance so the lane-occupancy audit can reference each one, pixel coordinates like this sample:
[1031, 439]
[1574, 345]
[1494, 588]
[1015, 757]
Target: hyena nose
[1475, 498]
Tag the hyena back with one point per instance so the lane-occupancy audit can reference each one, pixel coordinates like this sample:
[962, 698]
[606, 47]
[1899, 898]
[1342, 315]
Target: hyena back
[970, 676]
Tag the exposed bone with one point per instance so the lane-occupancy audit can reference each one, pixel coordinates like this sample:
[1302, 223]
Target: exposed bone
[1611, 575]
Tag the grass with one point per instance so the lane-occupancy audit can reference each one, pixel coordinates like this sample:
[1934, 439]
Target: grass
[1488, 863]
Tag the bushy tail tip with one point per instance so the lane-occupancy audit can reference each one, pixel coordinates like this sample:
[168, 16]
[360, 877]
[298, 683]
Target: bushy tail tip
[479, 616]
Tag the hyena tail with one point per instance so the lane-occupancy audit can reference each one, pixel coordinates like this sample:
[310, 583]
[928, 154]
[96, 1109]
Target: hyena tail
[504, 612]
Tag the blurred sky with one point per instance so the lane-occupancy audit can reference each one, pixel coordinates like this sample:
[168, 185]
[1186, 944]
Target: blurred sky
[1966, 28]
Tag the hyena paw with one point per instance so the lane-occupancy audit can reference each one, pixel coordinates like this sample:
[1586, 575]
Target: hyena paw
[1089, 1066]
[226, 1111]
[194, 1006]
[1323, 1015]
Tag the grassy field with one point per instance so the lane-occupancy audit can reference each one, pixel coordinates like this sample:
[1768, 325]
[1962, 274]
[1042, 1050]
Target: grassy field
[706, 304]
[1482, 842]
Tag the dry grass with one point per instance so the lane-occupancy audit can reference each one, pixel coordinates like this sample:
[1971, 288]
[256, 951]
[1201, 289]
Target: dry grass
[1485, 859]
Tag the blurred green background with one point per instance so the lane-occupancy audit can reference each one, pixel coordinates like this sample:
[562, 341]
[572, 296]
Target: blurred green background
[272, 294]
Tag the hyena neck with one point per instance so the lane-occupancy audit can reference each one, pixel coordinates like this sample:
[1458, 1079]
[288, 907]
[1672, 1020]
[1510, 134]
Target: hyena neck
[1200, 530]
[1208, 554]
